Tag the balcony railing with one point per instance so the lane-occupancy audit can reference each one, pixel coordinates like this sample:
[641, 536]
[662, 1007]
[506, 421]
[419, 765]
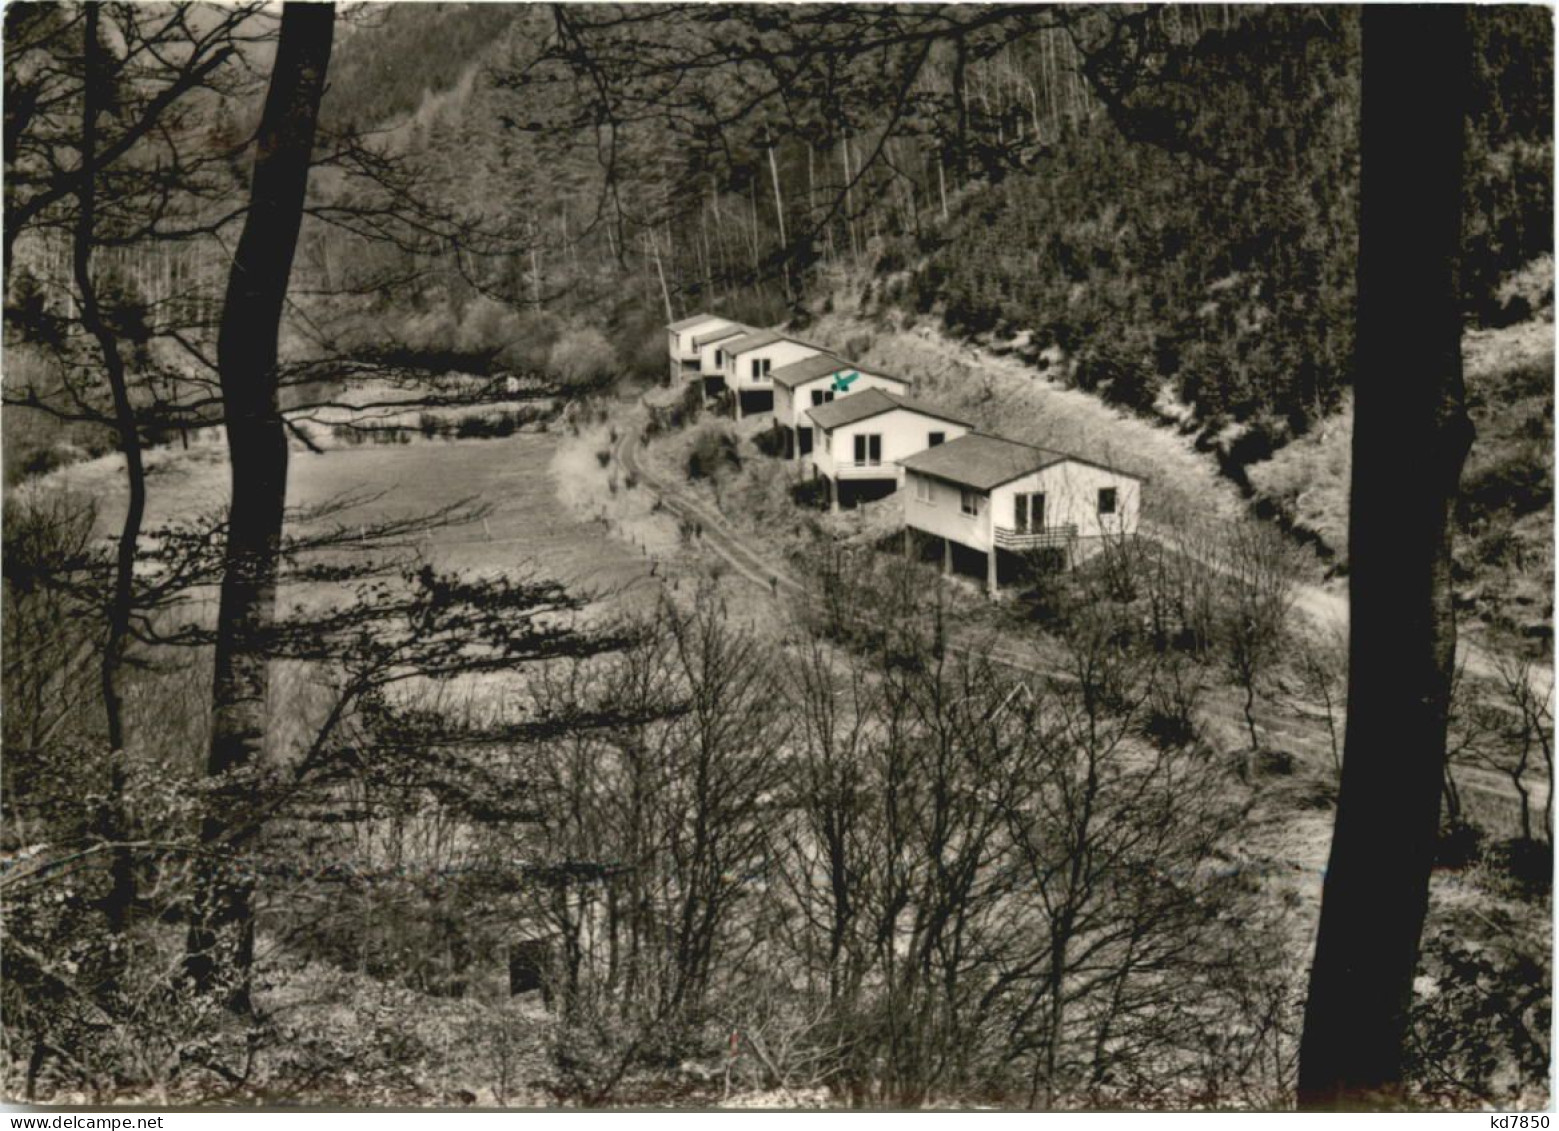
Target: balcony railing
[852, 464]
[1043, 538]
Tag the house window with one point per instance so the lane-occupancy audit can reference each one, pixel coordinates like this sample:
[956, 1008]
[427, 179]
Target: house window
[1106, 500]
[969, 501]
[1029, 512]
[922, 490]
[760, 368]
[868, 450]
[719, 359]
[936, 438]
[822, 396]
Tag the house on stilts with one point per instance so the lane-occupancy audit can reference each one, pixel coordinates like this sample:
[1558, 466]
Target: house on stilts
[1003, 503]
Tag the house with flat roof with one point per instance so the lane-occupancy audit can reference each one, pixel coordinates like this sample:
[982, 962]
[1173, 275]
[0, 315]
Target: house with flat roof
[1008, 501]
[815, 381]
[862, 439]
[750, 363]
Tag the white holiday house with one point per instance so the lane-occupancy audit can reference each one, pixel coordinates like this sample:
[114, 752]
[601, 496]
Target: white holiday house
[750, 363]
[681, 342]
[710, 346]
[862, 438]
[1005, 500]
[815, 381]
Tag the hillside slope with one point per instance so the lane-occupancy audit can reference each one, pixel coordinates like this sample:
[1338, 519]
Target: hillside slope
[1004, 395]
[1504, 553]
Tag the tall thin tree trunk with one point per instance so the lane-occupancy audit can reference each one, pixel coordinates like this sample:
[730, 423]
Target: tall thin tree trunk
[113, 824]
[779, 216]
[660, 272]
[828, 250]
[221, 935]
[849, 196]
[1410, 439]
[779, 199]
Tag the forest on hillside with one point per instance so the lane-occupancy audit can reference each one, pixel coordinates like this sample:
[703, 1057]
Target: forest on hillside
[334, 334]
[1178, 235]
[1196, 244]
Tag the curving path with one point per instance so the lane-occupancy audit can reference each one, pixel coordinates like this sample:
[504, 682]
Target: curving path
[757, 566]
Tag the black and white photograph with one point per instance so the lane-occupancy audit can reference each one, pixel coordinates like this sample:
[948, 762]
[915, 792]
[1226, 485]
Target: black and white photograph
[934, 557]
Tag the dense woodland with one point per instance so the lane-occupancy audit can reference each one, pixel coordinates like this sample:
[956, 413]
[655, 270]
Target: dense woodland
[1190, 253]
[846, 860]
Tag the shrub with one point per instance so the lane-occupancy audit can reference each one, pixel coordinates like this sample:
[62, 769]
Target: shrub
[812, 493]
[583, 357]
[1275, 763]
[772, 441]
[1168, 729]
[45, 460]
[1527, 864]
[713, 452]
[603, 456]
[1486, 1012]
[1458, 845]
[692, 405]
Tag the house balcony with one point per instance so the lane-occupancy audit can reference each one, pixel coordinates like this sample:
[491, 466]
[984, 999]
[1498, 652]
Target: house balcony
[1044, 538]
[857, 469]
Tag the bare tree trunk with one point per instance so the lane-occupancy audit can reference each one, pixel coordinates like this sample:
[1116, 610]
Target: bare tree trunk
[1409, 398]
[849, 196]
[660, 272]
[779, 199]
[221, 935]
[779, 216]
[113, 824]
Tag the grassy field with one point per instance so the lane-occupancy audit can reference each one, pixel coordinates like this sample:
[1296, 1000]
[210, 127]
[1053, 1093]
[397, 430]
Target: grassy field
[529, 484]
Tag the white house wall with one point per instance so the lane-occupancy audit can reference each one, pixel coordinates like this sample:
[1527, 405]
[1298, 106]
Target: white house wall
[1071, 492]
[790, 405]
[904, 433]
[706, 355]
[738, 370]
[942, 516]
[682, 340]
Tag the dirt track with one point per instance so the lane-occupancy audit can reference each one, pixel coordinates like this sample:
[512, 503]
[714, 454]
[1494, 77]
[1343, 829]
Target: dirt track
[1484, 790]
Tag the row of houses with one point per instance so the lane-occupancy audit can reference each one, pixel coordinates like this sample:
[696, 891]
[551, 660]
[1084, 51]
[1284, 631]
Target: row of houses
[978, 494]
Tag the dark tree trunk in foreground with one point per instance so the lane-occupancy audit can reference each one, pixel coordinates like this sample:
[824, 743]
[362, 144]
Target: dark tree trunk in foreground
[221, 940]
[114, 826]
[1411, 435]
